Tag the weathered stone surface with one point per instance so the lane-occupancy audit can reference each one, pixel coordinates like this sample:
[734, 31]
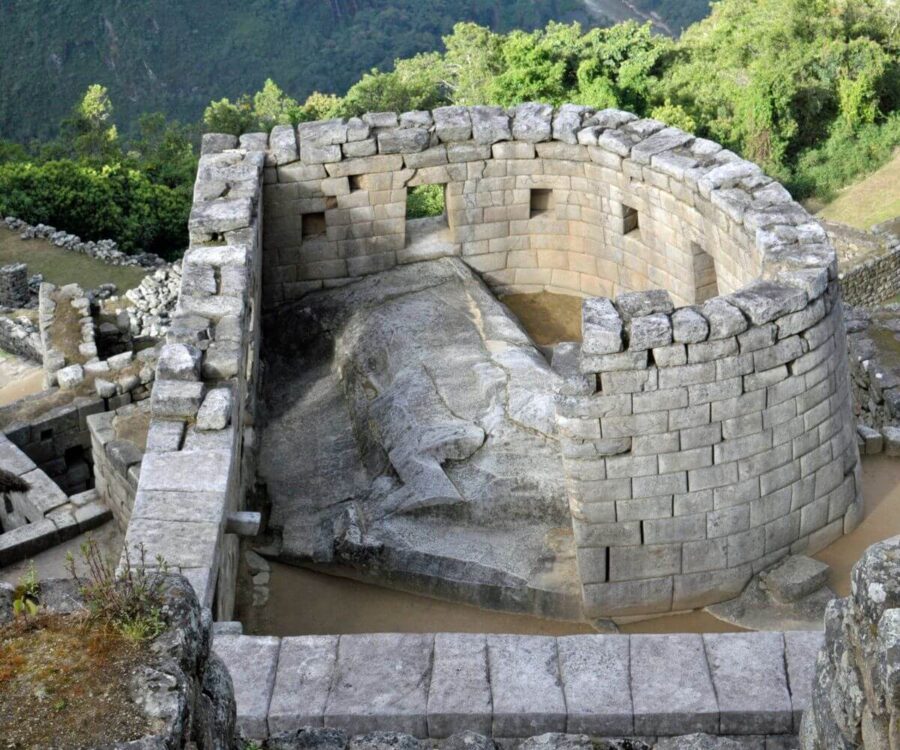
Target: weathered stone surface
[593, 670]
[567, 122]
[251, 661]
[452, 124]
[557, 741]
[601, 327]
[689, 326]
[384, 694]
[179, 362]
[215, 411]
[637, 304]
[403, 141]
[699, 742]
[797, 576]
[649, 331]
[531, 122]
[724, 319]
[308, 738]
[801, 647]
[489, 124]
[750, 682]
[671, 686]
[525, 684]
[302, 683]
[468, 741]
[459, 696]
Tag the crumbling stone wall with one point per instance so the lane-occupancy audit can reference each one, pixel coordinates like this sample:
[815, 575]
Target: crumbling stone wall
[856, 693]
[870, 263]
[200, 445]
[700, 444]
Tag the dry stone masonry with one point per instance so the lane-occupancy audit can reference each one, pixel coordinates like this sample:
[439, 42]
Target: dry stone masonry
[705, 422]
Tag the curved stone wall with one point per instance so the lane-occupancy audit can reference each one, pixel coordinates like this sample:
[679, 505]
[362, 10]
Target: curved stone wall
[701, 443]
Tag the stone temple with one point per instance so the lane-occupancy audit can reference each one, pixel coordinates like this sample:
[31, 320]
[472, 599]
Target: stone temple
[346, 385]
[699, 432]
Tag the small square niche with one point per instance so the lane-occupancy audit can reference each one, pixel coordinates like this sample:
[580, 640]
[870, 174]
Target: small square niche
[630, 219]
[313, 224]
[541, 202]
[355, 183]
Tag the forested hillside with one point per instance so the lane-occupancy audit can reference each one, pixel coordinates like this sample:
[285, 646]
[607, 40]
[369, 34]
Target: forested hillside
[175, 55]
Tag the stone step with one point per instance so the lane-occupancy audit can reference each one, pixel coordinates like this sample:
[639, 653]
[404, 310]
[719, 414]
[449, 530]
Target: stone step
[434, 685]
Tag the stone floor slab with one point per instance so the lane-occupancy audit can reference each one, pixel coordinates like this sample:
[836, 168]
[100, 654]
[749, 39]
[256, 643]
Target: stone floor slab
[671, 686]
[528, 697]
[595, 676]
[750, 681]
[381, 684]
[459, 698]
[252, 663]
[801, 648]
[302, 682]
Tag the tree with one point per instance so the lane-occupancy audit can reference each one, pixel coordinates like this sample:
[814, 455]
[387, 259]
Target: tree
[473, 59]
[225, 116]
[89, 131]
[273, 107]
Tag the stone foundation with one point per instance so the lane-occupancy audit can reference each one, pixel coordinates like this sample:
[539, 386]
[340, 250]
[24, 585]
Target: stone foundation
[14, 285]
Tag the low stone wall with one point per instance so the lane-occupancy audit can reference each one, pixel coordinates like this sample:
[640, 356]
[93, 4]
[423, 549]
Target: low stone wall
[702, 445]
[117, 461]
[21, 337]
[58, 440]
[856, 694]
[874, 276]
[200, 451]
[434, 685]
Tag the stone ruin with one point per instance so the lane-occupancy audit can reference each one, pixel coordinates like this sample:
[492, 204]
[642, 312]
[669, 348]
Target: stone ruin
[700, 431]
[353, 375]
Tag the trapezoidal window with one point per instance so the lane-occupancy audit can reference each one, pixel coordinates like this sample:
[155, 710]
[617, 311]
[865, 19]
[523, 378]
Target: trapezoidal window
[706, 284]
[426, 215]
[630, 219]
[356, 183]
[542, 202]
[313, 224]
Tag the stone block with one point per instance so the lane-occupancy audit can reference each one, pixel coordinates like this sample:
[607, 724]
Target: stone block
[524, 677]
[794, 578]
[489, 125]
[671, 686]
[872, 440]
[594, 670]
[532, 122]
[215, 411]
[381, 684]
[252, 662]
[601, 327]
[202, 471]
[725, 320]
[624, 598]
[302, 682]
[173, 399]
[649, 331]
[801, 649]
[459, 696]
[452, 124]
[689, 326]
[638, 304]
[750, 682]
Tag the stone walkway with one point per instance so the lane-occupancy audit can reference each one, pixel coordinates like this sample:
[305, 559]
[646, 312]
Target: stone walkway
[434, 685]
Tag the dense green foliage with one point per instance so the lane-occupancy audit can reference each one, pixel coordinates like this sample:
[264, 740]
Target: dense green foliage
[91, 183]
[174, 56]
[807, 88]
[425, 200]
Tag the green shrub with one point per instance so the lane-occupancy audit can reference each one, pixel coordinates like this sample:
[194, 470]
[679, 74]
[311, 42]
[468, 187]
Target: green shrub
[425, 200]
[845, 156]
[97, 203]
[129, 600]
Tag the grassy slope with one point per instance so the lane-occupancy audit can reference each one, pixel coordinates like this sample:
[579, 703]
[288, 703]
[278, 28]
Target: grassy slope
[871, 201]
[63, 266]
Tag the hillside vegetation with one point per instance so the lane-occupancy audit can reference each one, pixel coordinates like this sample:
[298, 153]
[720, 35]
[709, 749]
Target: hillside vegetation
[174, 56]
[809, 89]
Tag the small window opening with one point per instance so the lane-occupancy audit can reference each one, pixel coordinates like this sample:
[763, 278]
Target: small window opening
[355, 183]
[330, 202]
[541, 202]
[706, 284]
[47, 434]
[313, 224]
[425, 201]
[7, 503]
[630, 220]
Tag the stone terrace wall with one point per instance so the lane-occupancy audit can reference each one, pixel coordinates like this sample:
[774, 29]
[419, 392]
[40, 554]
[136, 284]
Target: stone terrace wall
[701, 445]
[436, 684]
[200, 442]
[872, 277]
[573, 201]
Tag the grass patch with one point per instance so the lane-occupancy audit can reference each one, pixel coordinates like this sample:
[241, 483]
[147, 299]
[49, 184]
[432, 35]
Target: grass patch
[64, 266]
[424, 201]
[870, 201]
[62, 684]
